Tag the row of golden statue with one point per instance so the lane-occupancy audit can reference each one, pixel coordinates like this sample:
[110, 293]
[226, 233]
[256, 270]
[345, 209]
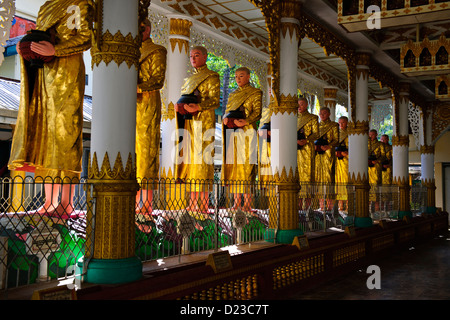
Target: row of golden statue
[48, 135]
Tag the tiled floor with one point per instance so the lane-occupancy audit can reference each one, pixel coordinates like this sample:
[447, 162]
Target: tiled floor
[416, 273]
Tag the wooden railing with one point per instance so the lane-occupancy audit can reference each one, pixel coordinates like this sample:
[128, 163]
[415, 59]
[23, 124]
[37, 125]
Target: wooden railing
[277, 271]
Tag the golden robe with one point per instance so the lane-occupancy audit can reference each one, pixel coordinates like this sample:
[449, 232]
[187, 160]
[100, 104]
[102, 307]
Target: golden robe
[375, 171]
[309, 123]
[239, 151]
[386, 173]
[342, 168]
[196, 158]
[48, 133]
[152, 70]
[325, 163]
[264, 166]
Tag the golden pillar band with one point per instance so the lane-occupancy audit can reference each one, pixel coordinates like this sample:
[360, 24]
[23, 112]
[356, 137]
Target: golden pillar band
[114, 189]
[427, 152]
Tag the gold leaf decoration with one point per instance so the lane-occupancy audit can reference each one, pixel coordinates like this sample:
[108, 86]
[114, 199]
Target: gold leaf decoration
[117, 48]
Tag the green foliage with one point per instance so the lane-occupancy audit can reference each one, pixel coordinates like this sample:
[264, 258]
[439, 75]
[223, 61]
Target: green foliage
[387, 127]
[221, 66]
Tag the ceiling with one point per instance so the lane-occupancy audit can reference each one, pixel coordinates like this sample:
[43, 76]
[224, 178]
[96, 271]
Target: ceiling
[384, 43]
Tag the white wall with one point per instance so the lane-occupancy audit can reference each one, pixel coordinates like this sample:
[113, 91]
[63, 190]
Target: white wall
[28, 8]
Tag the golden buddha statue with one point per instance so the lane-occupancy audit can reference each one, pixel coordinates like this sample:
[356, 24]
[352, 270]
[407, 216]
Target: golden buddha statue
[325, 159]
[152, 71]
[307, 133]
[195, 160]
[239, 152]
[48, 134]
[342, 163]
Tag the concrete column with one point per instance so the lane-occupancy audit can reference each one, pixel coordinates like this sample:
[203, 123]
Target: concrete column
[177, 71]
[427, 158]
[330, 95]
[400, 144]
[112, 164]
[284, 125]
[358, 135]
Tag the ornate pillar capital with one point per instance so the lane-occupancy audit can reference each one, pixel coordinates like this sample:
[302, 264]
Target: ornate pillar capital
[362, 64]
[425, 149]
[179, 32]
[330, 92]
[290, 12]
[358, 128]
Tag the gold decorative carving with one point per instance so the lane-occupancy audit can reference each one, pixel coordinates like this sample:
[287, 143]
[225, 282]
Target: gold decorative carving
[292, 28]
[362, 65]
[442, 87]
[426, 149]
[288, 189]
[353, 16]
[359, 195]
[271, 10]
[181, 44]
[117, 48]
[114, 190]
[287, 104]
[330, 93]
[169, 113]
[358, 127]
[284, 177]
[358, 179]
[401, 141]
[416, 49]
[180, 27]
[400, 181]
[363, 58]
[290, 8]
[441, 119]
[117, 172]
[98, 24]
[404, 196]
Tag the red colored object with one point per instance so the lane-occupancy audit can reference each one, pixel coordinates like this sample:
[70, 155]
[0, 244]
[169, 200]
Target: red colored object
[21, 27]
[36, 60]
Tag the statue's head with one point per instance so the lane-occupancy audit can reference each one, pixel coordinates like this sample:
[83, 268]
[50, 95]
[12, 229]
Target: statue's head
[198, 56]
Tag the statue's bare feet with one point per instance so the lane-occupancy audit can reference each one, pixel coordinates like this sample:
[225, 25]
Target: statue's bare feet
[61, 211]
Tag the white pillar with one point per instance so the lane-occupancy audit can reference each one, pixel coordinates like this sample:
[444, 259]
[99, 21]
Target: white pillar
[427, 158]
[358, 129]
[400, 145]
[330, 98]
[284, 124]
[177, 71]
[112, 174]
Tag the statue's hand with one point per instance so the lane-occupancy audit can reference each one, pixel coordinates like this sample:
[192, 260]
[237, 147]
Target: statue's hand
[192, 107]
[240, 122]
[43, 48]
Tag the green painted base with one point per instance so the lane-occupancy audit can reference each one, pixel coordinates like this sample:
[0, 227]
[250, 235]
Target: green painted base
[431, 210]
[363, 222]
[112, 271]
[402, 214]
[283, 236]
